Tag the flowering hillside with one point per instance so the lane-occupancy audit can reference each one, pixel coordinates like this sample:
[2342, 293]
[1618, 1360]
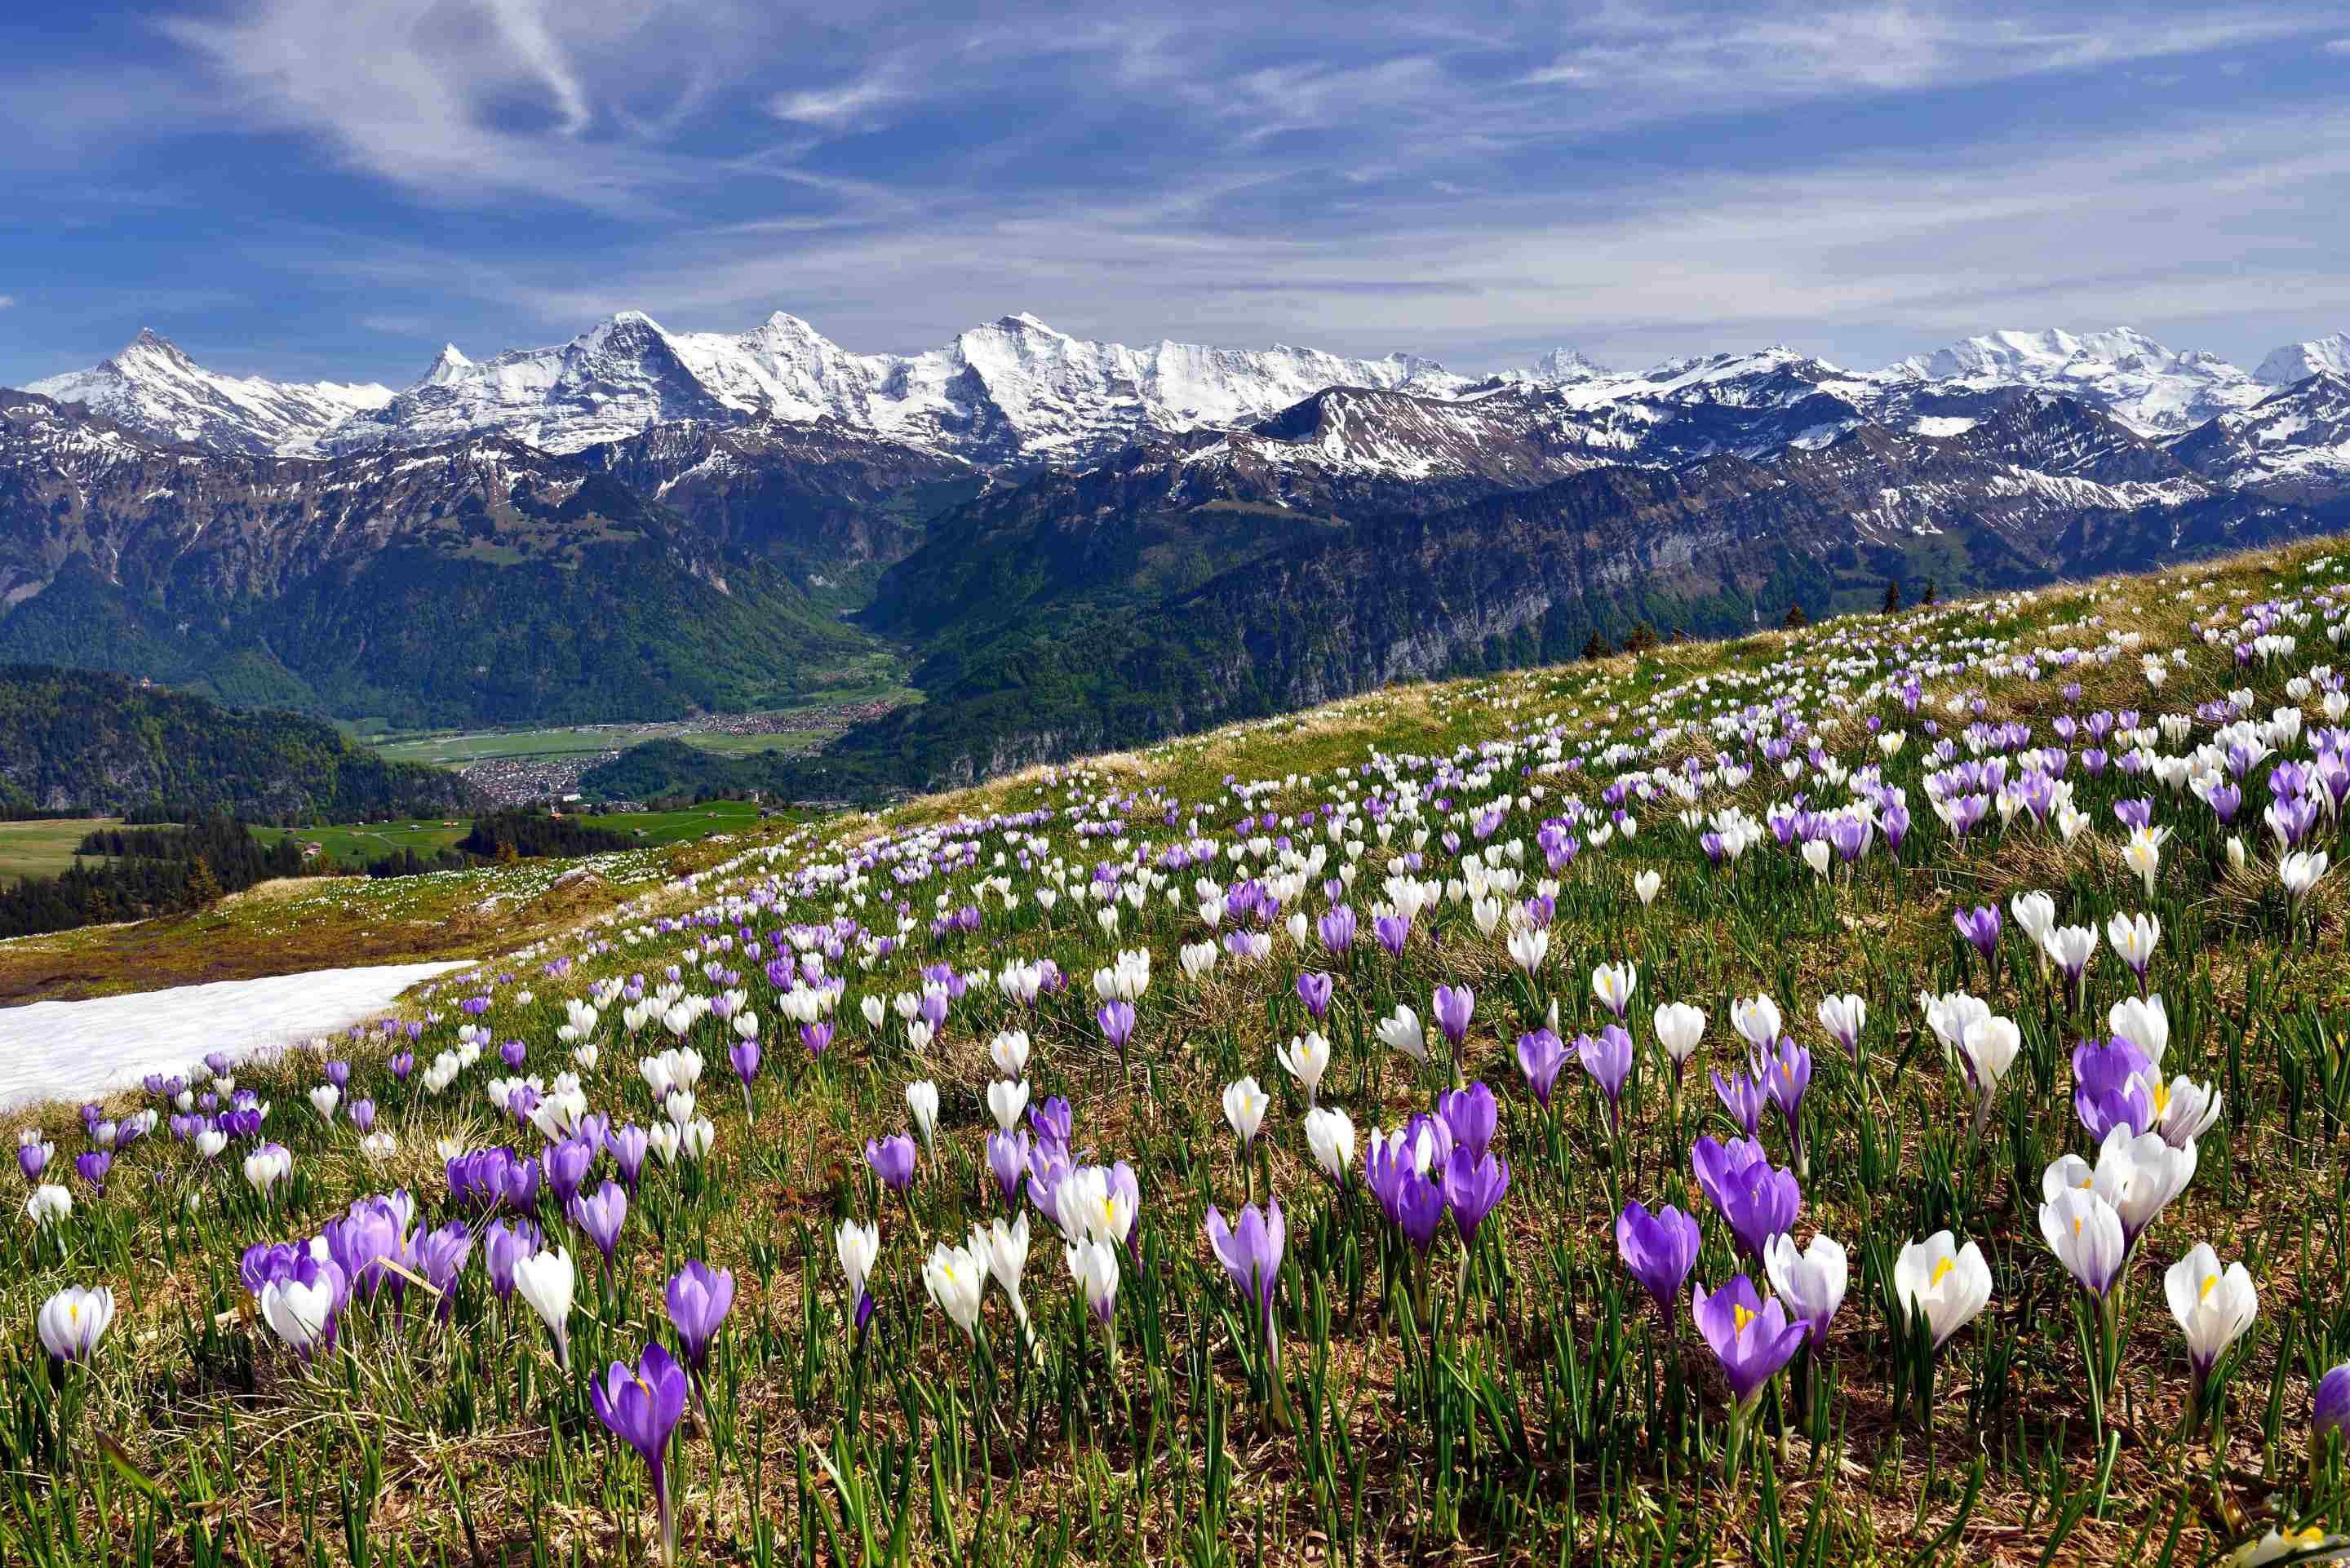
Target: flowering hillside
[1868, 1094]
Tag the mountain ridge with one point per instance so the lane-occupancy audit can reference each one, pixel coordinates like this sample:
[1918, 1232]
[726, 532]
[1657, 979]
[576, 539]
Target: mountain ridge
[1015, 392]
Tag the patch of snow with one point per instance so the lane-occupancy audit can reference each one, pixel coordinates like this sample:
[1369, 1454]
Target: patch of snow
[79, 1050]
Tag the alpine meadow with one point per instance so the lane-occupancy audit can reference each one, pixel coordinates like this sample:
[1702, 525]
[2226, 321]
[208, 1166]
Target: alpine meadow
[1307, 787]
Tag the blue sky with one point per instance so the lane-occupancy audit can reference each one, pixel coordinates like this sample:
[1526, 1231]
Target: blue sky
[332, 188]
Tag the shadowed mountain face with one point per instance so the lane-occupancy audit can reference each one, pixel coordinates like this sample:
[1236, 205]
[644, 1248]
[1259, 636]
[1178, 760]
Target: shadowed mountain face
[1056, 628]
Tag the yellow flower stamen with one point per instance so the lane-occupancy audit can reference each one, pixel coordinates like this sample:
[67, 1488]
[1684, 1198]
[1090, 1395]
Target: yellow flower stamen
[1740, 1316]
[1941, 1266]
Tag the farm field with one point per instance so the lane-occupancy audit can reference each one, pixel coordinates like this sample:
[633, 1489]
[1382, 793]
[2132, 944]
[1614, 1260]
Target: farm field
[1870, 1094]
[44, 849]
[733, 735]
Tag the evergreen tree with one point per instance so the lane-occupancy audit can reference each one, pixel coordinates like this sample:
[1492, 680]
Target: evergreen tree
[1892, 595]
[1596, 646]
[1928, 597]
[1796, 619]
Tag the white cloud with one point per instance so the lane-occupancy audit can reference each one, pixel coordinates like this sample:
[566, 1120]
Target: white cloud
[843, 102]
[464, 99]
[6, 300]
[1642, 176]
[1863, 259]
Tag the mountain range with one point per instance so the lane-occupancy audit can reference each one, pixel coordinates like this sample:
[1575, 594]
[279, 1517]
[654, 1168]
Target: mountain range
[1070, 543]
[1015, 391]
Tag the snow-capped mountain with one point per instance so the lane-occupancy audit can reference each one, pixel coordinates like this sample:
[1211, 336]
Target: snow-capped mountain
[1016, 394]
[2329, 354]
[447, 367]
[1014, 391]
[154, 388]
[2150, 388]
[2295, 444]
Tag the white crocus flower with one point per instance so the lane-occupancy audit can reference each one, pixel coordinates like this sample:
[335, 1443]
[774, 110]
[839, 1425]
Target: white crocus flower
[1680, 1029]
[2213, 1305]
[1305, 1058]
[1756, 1018]
[1244, 1108]
[1005, 1102]
[1330, 1135]
[1949, 1283]
[1402, 1031]
[546, 1280]
[922, 1104]
[956, 1279]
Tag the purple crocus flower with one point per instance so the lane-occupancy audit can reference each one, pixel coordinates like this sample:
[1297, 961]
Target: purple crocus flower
[1413, 1203]
[443, 1255]
[628, 1144]
[362, 1115]
[743, 1055]
[1314, 991]
[1743, 1097]
[1048, 1167]
[1659, 1250]
[2110, 1080]
[361, 1238]
[1786, 1076]
[32, 1158]
[512, 1052]
[1337, 928]
[699, 1298]
[1053, 1121]
[505, 1244]
[1540, 1055]
[267, 1261]
[817, 1038]
[1981, 927]
[1007, 1157]
[641, 1407]
[1470, 1114]
[1392, 931]
[92, 1167]
[2330, 1404]
[521, 1182]
[1474, 1188]
[1607, 1057]
[1751, 1337]
[1452, 1007]
[339, 1072]
[1117, 1021]
[600, 1214]
[893, 1159]
[1250, 1253]
[402, 1064]
[1754, 1197]
[566, 1164]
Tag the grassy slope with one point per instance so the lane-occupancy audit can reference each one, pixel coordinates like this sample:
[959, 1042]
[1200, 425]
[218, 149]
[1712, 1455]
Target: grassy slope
[287, 927]
[1879, 1490]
